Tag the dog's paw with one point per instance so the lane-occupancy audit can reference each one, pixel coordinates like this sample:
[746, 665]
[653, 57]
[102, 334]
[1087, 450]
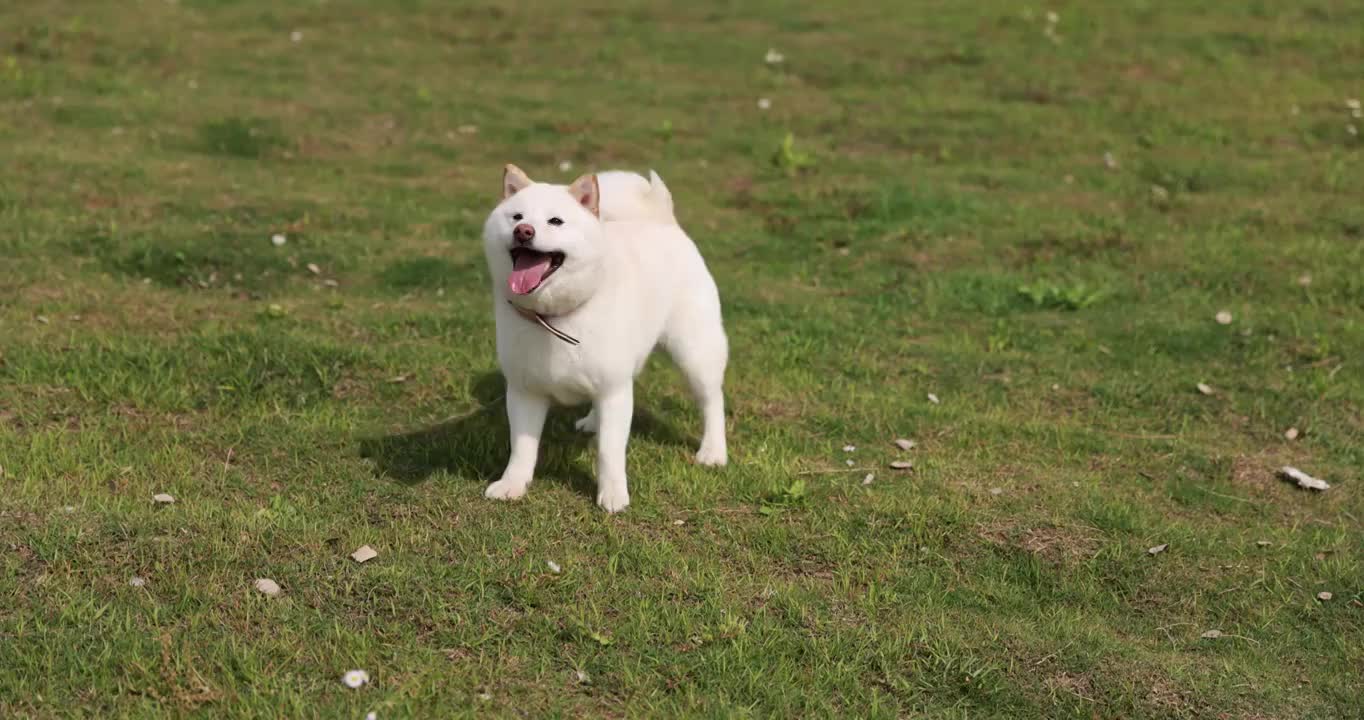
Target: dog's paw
[712, 456]
[506, 489]
[587, 423]
[613, 500]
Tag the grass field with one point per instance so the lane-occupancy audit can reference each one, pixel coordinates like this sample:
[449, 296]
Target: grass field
[1036, 219]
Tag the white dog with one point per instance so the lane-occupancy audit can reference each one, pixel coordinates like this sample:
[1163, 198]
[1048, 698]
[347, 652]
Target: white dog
[587, 279]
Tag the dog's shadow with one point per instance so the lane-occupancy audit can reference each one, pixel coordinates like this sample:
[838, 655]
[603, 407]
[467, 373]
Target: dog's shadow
[474, 446]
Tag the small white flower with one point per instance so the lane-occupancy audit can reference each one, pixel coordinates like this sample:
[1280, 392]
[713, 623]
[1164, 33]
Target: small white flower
[553, 566]
[774, 58]
[278, 239]
[355, 679]
[137, 581]
[849, 448]
[764, 104]
[565, 166]
[296, 36]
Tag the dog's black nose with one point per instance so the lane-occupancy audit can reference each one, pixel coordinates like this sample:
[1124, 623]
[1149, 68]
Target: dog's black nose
[523, 234]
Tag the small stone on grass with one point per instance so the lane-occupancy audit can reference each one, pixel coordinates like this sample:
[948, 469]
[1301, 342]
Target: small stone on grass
[364, 553]
[1205, 388]
[1223, 318]
[1211, 634]
[267, 587]
[163, 498]
[901, 465]
[1290, 434]
[904, 443]
[1305, 481]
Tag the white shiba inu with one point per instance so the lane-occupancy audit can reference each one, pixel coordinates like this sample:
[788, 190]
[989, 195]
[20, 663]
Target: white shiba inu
[587, 280]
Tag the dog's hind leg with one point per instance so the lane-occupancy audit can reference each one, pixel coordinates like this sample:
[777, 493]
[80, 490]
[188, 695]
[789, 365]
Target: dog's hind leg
[588, 422]
[696, 341]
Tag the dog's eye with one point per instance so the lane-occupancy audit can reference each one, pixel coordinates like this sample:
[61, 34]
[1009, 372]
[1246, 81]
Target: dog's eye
[556, 221]
[517, 217]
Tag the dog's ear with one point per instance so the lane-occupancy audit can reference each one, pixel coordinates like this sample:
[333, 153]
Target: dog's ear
[513, 179]
[586, 191]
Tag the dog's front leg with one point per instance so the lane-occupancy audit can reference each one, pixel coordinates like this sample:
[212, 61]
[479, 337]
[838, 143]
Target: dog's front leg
[526, 416]
[614, 411]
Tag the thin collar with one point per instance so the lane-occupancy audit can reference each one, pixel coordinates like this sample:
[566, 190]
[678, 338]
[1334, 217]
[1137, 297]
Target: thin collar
[543, 322]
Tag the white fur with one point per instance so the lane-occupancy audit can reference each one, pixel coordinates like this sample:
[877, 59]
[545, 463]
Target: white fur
[630, 281]
[628, 196]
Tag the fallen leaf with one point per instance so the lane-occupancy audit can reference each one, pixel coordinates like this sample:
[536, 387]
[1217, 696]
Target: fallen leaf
[904, 443]
[1158, 549]
[163, 498]
[1205, 388]
[902, 465]
[1224, 318]
[1303, 479]
[1211, 634]
[1324, 596]
[355, 679]
[267, 587]
[365, 553]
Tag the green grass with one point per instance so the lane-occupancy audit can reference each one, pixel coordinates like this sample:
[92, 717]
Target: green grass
[926, 207]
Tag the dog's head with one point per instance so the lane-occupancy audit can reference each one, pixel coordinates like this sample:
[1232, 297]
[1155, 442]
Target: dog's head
[544, 241]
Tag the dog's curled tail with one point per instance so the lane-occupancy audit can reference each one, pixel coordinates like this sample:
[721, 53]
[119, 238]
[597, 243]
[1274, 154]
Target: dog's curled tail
[628, 196]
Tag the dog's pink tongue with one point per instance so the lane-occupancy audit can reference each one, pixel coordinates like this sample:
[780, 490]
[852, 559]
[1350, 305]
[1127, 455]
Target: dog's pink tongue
[527, 273]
